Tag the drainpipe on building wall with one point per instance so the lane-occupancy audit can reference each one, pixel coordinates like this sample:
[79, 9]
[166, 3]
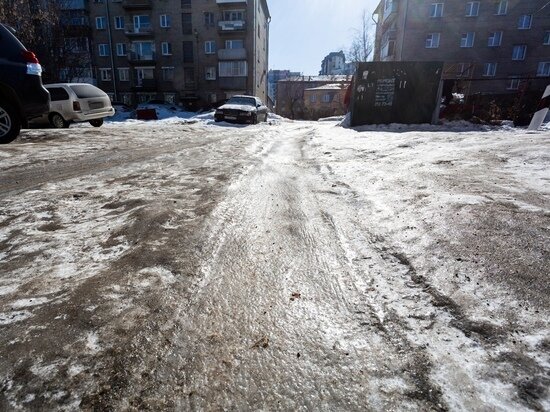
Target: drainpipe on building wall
[111, 50]
[404, 27]
[254, 85]
[267, 59]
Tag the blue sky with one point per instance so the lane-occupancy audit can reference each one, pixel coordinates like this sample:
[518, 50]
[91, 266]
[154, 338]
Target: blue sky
[303, 32]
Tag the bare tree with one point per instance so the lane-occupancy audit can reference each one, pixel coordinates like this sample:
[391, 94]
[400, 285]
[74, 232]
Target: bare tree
[47, 28]
[362, 44]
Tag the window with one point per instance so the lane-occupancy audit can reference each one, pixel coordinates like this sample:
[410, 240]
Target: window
[489, 69]
[166, 48]
[119, 22]
[388, 49]
[142, 22]
[100, 23]
[313, 98]
[495, 39]
[210, 47]
[524, 22]
[121, 49]
[189, 77]
[185, 4]
[167, 73]
[546, 40]
[327, 98]
[432, 41]
[209, 19]
[170, 98]
[124, 74]
[188, 52]
[234, 44]
[210, 73]
[544, 69]
[103, 49]
[186, 23]
[233, 68]
[472, 8]
[76, 44]
[502, 8]
[513, 84]
[58, 94]
[467, 39]
[164, 20]
[463, 69]
[233, 15]
[143, 50]
[519, 52]
[436, 10]
[144, 73]
[105, 75]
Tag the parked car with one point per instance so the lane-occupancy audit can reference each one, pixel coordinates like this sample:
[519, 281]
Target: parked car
[242, 109]
[76, 102]
[22, 95]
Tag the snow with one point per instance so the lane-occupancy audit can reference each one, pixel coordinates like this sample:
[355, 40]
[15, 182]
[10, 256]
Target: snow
[381, 216]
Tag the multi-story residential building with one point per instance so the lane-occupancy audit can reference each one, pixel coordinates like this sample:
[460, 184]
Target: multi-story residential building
[335, 63]
[493, 46]
[75, 52]
[196, 52]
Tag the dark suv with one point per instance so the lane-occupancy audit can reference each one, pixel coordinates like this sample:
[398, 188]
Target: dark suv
[22, 95]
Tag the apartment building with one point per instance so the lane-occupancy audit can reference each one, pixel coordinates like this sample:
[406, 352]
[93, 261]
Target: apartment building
[335, 63]
[196, 52]
[494, 46]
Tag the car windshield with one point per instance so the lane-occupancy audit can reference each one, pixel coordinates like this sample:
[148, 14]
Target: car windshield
[86, 91]
[244, 101]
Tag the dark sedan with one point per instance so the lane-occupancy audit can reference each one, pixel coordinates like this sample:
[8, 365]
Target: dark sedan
[242, 109]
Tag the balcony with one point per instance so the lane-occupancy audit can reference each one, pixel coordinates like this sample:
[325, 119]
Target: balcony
[232, 54]
[390, 11]
[145, 85]
[232, 83]
[230, 26]
[137, 4]
[138, 31]
[389, 35]
[134, 57]
[231, 2]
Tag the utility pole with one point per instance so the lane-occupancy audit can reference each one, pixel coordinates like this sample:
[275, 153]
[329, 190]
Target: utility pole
[111, 50]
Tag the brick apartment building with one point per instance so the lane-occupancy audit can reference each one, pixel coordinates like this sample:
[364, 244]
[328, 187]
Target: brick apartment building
[491, 46]
[197, 52]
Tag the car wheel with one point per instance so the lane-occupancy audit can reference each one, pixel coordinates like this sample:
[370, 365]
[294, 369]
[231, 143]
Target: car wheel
[57, 121]
[10, 125]
[96, 122]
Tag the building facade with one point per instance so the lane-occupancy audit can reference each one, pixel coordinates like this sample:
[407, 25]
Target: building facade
[335, 64]
[195, 52]
[273, 77]
[494, 47]
[291, 101]
[325, 101]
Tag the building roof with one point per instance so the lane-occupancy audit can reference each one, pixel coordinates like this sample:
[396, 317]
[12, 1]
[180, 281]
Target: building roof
[332, 86]
[331, 78]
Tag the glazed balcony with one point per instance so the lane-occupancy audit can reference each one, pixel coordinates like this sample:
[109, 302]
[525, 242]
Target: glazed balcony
[231, 26]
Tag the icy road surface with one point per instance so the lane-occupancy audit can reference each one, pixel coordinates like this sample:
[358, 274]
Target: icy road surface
[291, 266]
